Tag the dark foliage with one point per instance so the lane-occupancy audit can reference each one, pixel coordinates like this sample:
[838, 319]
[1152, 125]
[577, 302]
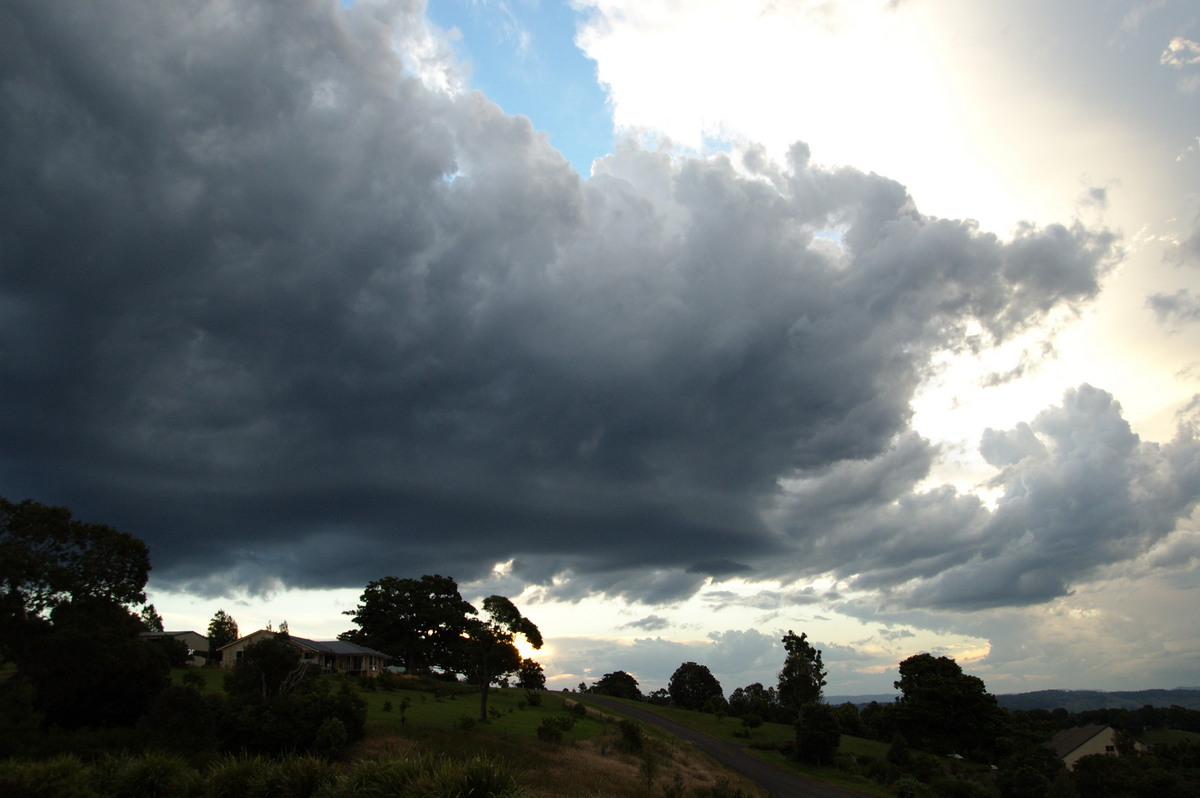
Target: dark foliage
[530, 675]
[817, 735]
[91, 667]
[803, 676]
[269, 667]
[945, 710]
[618, 684]
[182, 720]
[294, 722]
[222, 630]
[419, 621]
[754, 699]
[692, 685]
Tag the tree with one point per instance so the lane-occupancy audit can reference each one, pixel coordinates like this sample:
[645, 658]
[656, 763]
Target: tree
[802, 677]
[943, 709]
[421, 622]
[269, 668]
[222, 630]
[531, 676]
[48, 558]
[91, 668]
[754, 699]
[817, 734]
[488, 643]
[151, 620]
[692, 685]
[618, 684]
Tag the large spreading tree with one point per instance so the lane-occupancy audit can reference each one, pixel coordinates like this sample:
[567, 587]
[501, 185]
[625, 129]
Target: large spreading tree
[943, 709]
[420, 622]
[692, 685]
[65, 619]
[49, 558]
[618, 684]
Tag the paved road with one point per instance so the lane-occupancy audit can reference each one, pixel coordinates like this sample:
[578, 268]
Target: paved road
[778, 782]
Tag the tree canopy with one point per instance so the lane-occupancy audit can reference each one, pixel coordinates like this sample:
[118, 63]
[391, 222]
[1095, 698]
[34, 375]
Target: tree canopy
[490, 653]
[692, 685]
[421, 622]
[943, 709]
[222, 630]
[803, 674]
[48, 558]
[618, 684]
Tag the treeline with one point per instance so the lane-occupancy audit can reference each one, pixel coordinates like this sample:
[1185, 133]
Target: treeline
[80, 673]
[946, 735]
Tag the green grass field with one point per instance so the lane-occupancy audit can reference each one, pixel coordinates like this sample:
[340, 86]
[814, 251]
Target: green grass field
[766, 740]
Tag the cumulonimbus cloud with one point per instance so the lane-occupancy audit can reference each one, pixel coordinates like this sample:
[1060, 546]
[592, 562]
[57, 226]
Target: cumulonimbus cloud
[289, 309]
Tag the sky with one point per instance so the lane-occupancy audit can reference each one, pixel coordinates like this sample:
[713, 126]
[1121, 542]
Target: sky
[682, 324]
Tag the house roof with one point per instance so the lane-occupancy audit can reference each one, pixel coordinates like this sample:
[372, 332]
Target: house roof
[335, 647]
[171, 634]
[338, 647]
[1068, 740]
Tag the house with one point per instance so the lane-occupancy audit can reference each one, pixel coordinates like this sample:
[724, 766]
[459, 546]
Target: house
[197, 644]
[331, 655]
[1071, 744]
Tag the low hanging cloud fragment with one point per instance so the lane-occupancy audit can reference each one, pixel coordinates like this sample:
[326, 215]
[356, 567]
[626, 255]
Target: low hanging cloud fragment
[281, 301]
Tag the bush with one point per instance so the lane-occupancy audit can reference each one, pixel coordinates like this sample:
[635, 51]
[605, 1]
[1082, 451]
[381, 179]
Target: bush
[51, 778]
[181, 720]
[632, 739]
[552, 729]
[151, 774]
[291, 723]
[817, 735]
[424, 776]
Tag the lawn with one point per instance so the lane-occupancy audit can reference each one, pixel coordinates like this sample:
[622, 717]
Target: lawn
[420, 717]
[767, 740]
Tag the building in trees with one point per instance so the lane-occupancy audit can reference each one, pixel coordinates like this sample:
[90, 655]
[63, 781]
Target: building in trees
[420, 622]
[323, 655]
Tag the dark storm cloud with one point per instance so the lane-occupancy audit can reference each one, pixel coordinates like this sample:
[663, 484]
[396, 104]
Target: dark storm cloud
[292, 316]
[651, 623]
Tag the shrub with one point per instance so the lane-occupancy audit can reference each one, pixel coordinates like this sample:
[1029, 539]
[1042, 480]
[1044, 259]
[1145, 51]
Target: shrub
[552, 729]
[152, 774]
[181, 720]
[331, 739]
[480, 776]
[375, 779]
[59, 776]
[632, 739]
[296, 777]
[237, 777]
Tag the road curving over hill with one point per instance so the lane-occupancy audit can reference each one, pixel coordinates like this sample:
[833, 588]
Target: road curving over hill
[778, 782]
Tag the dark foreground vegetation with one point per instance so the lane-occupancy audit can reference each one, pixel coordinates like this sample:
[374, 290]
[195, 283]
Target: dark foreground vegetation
[91, 707]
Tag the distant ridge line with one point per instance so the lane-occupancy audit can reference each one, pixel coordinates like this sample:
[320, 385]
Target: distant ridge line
[1070, 700]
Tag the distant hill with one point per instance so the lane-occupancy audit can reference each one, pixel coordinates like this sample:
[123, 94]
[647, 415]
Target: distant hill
[1070, 700]
[1079, 700]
